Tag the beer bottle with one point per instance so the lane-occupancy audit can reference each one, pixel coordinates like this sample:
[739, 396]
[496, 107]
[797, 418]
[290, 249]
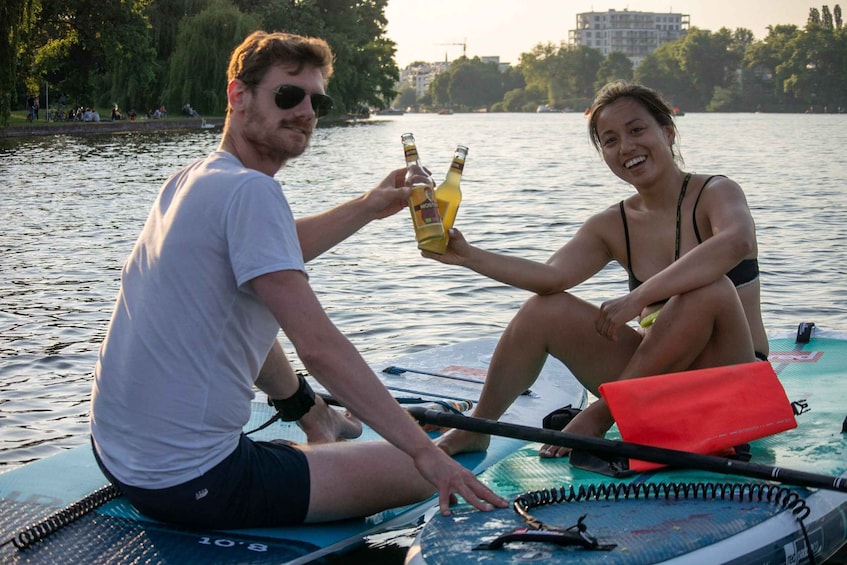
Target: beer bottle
[422, 203]
[449, 196]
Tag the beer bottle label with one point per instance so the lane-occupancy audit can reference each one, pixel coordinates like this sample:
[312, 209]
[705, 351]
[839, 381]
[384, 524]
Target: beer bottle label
[428, 209]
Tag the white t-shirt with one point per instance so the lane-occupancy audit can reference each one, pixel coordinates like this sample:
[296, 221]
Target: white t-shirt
[174, 378]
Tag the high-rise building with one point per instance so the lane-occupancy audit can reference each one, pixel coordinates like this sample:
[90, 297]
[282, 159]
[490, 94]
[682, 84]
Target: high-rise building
[635, 34]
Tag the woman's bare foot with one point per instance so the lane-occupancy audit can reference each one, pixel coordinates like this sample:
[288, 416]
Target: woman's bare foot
[585, 423]
[323, 424]
[461, 441]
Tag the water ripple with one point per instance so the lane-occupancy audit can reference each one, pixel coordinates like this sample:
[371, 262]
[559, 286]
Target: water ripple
[71, 208]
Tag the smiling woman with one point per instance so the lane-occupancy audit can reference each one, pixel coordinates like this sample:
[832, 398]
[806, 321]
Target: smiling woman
[682, 243]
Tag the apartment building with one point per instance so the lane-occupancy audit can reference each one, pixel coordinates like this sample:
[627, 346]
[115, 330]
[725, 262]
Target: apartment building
[636, 34]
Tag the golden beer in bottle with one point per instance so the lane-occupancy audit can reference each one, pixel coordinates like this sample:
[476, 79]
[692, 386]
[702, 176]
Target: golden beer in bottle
[449, 196]
[422, 203]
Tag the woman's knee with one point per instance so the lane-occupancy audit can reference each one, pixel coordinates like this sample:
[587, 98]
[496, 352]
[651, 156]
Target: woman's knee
[713, 297]
[553, 310]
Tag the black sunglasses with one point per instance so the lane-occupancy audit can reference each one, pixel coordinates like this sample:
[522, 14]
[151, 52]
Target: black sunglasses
[288, 96]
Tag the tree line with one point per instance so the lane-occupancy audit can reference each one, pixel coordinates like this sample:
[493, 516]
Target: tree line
[143, 54]
[790, 70]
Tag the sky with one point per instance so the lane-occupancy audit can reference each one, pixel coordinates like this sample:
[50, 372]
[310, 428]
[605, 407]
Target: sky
[424, 30]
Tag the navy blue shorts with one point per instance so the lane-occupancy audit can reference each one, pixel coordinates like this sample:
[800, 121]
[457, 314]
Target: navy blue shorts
[260, 484]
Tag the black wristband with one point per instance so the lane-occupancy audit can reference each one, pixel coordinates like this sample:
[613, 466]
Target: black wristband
[295, 406]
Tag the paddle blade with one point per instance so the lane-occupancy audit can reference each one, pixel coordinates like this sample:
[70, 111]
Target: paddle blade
[706, 411]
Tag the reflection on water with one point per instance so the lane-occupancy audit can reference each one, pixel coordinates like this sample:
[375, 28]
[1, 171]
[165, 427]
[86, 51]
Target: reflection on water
[71, 207]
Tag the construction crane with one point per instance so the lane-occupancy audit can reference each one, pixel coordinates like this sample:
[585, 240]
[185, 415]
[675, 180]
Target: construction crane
[464, 45]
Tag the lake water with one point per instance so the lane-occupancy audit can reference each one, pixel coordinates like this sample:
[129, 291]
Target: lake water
[71, 208]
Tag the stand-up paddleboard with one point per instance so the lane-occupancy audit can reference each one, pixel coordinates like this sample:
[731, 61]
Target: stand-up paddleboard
[114, 532]
[670, 515]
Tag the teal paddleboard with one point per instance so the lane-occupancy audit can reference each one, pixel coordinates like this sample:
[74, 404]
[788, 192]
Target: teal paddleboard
[674, 516]
[114, 532]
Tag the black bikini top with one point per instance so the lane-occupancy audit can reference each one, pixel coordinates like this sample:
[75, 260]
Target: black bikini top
[744, 273]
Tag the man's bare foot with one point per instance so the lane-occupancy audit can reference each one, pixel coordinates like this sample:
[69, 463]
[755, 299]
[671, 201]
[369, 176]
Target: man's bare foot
[461, 441]
[580, 425]
[323, 424]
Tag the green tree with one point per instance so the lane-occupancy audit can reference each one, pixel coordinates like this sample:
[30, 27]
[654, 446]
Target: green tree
[826, 18]
[407, 97]
[815, 69]
[165, 17]
[540, 72]
[616, 66]
[16, 20]
[512, 78]
[439, 90]
[731, 96]
[580, 68]
[197, 71]
[98, 52]
[764, 74]
[662, 71]
[566, 74]
[471, 84]
[474, 84]
[707, 61]
[128, 58]
[521, 100]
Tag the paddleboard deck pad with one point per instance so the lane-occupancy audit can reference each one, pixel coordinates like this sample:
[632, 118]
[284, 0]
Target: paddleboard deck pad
[666, 515]
[83, 529]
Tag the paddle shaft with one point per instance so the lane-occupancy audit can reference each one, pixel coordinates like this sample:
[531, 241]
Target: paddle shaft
[394, 370]
[601, 446]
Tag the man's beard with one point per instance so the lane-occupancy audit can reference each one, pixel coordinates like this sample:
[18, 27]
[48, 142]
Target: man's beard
[272, 141]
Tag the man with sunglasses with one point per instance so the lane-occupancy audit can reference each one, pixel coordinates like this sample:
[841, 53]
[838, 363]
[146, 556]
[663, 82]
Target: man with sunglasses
[218, 269]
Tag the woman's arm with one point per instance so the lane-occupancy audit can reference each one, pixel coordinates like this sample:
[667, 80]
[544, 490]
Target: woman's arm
[722, 210]
[580, 258]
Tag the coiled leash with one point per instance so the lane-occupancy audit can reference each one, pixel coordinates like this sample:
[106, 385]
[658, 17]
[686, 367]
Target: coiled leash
[578, 533]
[58, 520]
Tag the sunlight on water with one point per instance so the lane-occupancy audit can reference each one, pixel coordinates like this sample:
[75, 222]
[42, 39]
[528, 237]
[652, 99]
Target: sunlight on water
[72, 207]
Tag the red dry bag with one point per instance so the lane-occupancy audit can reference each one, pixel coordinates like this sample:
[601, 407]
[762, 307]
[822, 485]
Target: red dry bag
[707, 411]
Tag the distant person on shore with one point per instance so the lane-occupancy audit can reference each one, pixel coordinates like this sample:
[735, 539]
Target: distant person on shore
[688, 244]
[187, 110]
[116, 113]
[30, 108]
[218, 269]
[35, 107]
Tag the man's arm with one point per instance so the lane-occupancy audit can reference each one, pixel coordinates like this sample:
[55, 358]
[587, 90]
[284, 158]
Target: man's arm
[335, 363]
